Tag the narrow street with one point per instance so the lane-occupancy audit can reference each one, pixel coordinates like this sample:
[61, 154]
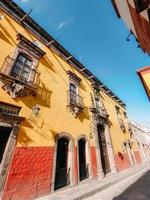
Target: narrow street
[135, 187]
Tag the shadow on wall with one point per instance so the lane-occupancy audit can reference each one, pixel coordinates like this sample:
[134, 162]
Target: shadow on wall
[45, 61]
[43, 97]
[23, 138]
[4, 35]
[84, 114]
[138, 190]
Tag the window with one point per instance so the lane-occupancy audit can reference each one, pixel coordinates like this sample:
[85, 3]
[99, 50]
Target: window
[141, 5]
[22, 67]
[73, 93]
[117, 110]
[73, 88]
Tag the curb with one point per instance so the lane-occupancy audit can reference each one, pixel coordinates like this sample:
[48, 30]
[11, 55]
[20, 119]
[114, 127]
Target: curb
[104, 187]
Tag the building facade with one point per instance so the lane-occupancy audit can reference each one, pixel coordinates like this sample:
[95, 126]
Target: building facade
[59, 124]
[136, 15]
[142, 135]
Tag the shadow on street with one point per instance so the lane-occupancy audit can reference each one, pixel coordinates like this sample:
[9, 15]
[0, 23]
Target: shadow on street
[140, 190]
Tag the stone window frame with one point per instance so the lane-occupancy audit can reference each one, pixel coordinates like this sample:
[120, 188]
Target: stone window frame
[74, 79]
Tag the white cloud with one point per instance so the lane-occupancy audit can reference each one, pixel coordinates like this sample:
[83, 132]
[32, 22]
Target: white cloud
[64, 24]
[24, 1]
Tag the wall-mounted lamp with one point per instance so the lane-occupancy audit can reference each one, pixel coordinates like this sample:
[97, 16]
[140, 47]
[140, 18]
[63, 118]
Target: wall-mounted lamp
[1, 17]
[36, 109]
[91, 135]
[128, 37]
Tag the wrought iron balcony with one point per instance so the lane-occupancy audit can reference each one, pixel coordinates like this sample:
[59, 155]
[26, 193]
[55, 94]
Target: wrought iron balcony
[100, 111]
[121, 123]
[75, 100]
[23, 74]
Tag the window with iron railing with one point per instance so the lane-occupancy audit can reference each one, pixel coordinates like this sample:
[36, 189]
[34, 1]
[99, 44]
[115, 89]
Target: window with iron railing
[20, 69]
[141, 5]
[74, 99]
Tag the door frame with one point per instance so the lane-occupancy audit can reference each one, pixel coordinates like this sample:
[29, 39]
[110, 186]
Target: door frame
[13, 122]
[70, 159]
[88, 156]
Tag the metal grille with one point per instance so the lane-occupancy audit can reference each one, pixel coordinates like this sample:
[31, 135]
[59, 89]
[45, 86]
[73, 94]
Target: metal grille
[19, 71]
[75, 99]
[9, 109]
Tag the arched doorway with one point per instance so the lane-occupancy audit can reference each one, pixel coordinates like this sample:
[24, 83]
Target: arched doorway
[103, 149]
[62, 172]
[83, 165]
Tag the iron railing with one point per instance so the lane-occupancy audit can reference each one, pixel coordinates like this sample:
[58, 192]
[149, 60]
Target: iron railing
[74, 99]
[101, 111]
[17, 72]
[62, 178]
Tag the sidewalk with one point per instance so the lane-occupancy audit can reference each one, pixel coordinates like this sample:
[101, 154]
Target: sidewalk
[92, 187]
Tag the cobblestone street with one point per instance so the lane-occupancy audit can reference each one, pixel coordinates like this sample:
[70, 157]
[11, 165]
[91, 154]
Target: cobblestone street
[133, 188]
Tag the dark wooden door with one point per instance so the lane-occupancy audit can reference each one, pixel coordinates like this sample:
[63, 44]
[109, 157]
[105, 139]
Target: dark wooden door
[103, 149]
[61, 175]
[4, 136]
[83, 168]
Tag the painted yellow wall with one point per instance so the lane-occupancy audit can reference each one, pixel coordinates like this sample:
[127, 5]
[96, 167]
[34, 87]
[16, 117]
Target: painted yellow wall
[52, 97]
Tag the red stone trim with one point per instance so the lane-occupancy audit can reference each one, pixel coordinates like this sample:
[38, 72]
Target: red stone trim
[94, 161]
[122, 161]
[30, 173]
[138, 157]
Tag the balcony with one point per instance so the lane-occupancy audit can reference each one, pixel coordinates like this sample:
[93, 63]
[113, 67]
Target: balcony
[121, 123]
[100, 111]
[75, 102]
[24, 80]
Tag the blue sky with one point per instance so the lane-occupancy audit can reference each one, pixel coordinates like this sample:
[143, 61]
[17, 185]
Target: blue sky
[91, 31]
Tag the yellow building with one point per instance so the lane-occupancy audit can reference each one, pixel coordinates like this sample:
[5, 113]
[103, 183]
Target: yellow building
[59, 124]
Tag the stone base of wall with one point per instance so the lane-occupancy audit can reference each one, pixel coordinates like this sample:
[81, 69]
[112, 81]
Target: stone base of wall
[137, 157]
[30, 173]
[122, 161]
[75, 166]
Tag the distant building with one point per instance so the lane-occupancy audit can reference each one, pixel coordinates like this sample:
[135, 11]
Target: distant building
[136, 15]
[142, 135]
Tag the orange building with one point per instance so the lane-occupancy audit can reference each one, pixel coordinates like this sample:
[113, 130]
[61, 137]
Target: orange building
[136, 15]
[144, 75]
[59, 124]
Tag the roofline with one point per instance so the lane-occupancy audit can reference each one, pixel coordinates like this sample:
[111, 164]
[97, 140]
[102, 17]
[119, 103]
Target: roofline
[143, 69]
[13, 10]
